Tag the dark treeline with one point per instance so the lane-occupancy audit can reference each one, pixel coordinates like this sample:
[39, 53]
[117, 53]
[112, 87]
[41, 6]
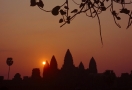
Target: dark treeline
[68, 77]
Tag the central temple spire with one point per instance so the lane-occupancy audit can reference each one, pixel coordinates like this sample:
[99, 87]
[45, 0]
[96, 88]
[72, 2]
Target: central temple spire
[68, 61]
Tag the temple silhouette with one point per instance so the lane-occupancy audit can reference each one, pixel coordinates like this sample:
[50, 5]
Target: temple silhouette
[68, 77]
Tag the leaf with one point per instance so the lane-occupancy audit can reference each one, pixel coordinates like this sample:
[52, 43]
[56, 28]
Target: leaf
[124, 10]
[89, 5]
[118, 18]
[96, 1]
[33, 3]
[40, 4]
[94, 11]
[61, 20]
[103, 8]
[68, 19]
[62, 12]
[74, 11]
[122, 1]
[127, 11]
[55, 10]
[83, 0]
[81, 5]
[114, 13]
[118, 1]
[66, 7]
[101, 4]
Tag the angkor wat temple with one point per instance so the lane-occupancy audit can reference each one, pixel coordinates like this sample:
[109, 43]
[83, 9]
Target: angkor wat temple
[68, 77]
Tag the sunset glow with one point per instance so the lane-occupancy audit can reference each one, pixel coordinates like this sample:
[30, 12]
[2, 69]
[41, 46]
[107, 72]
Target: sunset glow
[43, 62]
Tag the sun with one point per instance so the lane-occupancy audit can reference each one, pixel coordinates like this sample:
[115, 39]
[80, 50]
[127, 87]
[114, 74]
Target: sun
[43, 62]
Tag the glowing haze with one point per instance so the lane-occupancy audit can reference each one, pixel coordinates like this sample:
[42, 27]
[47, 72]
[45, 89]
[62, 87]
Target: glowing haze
[31, 36]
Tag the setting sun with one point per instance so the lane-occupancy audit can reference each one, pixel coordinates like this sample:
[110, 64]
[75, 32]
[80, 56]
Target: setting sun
[43, 62]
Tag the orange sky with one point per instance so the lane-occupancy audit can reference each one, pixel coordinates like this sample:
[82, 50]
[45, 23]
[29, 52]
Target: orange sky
[29, 36]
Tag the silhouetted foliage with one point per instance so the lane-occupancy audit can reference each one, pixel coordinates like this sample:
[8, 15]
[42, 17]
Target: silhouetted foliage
[17, 77]
[9, 62]
[92, 8]
[55, 10]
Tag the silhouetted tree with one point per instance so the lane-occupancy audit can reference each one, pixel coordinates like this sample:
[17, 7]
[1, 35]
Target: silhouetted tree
[68, 62]
[9, 62]
[92, 66]
[92, 8]
[17, 77]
